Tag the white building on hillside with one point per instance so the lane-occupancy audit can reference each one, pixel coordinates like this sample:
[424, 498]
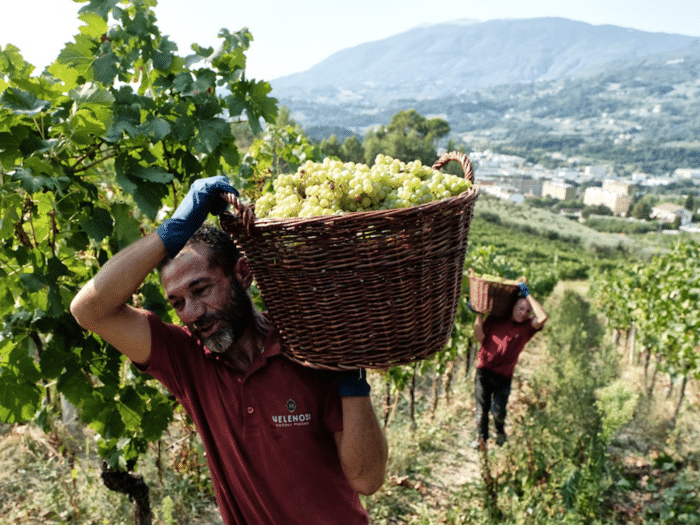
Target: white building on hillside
[619, 203]
[616, 186]
[687, 173]
[598, 171]
[504, 192]
[669, 212]
[558, 190]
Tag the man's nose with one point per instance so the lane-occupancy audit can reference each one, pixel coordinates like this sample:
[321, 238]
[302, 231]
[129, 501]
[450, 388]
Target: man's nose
[193, 310]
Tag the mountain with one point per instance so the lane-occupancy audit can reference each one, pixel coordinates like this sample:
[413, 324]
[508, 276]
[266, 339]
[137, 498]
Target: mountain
[598, 93]
[462, 56]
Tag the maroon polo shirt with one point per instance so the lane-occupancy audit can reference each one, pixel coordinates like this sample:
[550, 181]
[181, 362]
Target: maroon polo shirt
[504, 339]
[268, 433]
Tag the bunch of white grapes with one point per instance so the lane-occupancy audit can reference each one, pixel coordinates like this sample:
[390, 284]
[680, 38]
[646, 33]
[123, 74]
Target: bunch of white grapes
[332, 187]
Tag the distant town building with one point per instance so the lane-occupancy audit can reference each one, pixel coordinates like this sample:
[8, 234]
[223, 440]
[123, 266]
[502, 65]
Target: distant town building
[566, 174]
[527, 185]
[558, 190]
[619, 203]
[524, 184]
[490, 159]
[504, 192]
[657, 181]
[690, 228]
[598, 171]
[639, 177]
[687, 173]
[614, 194]
[669, 212]
[616, 186]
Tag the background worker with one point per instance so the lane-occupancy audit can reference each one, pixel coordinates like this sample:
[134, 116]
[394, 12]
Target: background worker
[502, 340]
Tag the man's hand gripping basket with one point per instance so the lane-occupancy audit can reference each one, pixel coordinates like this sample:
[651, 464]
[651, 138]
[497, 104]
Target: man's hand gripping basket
[360, 290]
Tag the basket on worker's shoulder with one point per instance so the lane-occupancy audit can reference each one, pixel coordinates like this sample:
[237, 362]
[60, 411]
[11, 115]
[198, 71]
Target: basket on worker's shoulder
[368, 289]
[493, 296]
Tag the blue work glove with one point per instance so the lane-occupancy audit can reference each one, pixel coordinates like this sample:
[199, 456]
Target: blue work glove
[353, 383]
[524, 290]
[203, 198]
[469, 304]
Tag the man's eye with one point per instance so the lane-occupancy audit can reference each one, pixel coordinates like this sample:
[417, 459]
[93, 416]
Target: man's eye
[201, 291]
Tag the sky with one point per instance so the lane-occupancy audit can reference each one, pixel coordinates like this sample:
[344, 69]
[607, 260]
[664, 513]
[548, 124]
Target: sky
[290, 36]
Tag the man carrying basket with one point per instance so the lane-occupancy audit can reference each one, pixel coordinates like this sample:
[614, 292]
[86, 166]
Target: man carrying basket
[502, 340]
[285, 444]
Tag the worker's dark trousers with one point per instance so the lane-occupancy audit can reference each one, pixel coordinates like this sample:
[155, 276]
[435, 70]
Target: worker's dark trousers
[491, 392]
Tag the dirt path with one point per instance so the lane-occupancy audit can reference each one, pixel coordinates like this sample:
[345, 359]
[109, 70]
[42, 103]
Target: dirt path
[462, 465]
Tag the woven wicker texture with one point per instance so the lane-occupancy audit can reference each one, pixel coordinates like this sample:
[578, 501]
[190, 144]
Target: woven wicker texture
[491, 297]
[360, 290]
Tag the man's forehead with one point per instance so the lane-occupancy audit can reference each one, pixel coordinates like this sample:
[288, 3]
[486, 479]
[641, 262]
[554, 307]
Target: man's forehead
[190, 264]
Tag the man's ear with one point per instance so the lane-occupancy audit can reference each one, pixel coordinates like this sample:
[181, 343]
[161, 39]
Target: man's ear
[243, 273]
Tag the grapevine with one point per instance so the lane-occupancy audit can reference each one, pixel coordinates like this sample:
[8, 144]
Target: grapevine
[659, 299]
[332, 187]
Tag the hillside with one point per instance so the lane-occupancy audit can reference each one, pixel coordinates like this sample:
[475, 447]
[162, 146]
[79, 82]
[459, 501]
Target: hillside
[599, 94]
[454, 58]
[639, 115]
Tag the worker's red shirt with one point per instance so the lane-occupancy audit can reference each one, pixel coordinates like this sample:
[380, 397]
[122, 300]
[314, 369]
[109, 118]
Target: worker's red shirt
[504, 339]
[268, 433]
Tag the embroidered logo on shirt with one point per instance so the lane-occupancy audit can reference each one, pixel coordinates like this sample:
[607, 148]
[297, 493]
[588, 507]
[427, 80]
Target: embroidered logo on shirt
[291, 420]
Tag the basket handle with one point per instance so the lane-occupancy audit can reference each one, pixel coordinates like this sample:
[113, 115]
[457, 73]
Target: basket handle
[459, 157]
[245, 212]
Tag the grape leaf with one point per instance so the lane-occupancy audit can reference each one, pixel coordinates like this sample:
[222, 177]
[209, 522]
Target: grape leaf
[126, 228]
[74, 385]
[210, 134]
[105, 68]
[19, 398]
[98, 224]
[22, 102]
[156, 128]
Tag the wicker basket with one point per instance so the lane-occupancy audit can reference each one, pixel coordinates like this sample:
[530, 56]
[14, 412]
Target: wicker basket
[491, 297]
[360, 290]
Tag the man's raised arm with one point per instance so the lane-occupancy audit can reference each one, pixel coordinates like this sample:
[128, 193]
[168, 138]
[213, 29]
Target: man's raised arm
[101, 305]
[540, 315]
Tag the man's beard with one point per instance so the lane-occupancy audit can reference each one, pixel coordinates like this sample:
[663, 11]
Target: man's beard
[233, 320]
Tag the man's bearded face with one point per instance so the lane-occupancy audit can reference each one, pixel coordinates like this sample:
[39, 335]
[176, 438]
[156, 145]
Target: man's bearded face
[233, 319]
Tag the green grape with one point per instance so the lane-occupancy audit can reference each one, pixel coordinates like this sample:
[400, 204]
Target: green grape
[332, 187]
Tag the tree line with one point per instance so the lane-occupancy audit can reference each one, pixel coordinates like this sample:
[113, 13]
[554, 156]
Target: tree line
[409, 136]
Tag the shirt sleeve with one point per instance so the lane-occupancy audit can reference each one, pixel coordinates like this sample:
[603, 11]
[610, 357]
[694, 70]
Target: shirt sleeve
[163, 363]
